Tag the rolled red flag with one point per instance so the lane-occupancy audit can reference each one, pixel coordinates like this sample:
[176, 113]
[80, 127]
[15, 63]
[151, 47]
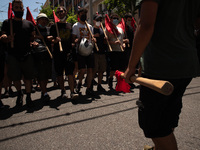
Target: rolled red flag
[55, 17]
[109, 26]
[29, 16]
[122, 86]
[122, 25]
[10, 13]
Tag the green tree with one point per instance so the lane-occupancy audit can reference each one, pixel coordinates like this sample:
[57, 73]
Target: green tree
[48, 11]
[121, 6]
[71, 18]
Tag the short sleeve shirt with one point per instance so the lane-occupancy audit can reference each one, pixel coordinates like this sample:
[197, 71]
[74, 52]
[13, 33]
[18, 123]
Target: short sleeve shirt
[171, 52]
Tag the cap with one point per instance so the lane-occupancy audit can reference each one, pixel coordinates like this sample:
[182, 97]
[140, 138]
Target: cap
[42, 15]
[97, 16]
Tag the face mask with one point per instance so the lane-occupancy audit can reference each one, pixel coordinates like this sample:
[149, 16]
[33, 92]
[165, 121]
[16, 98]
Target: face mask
[115, 21]
[63, 19]
[83, 18]
[98, 23]
[41, 26]
[128, 23]
[19, 14]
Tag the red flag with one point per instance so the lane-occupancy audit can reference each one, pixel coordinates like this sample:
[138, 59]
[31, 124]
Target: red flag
[55, 17]
[109, 26]
[122, 86]
[122, 25]
[10, 13]
[29, 16]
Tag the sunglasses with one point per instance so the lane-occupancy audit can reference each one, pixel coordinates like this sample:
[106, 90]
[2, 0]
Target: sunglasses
[61, 11]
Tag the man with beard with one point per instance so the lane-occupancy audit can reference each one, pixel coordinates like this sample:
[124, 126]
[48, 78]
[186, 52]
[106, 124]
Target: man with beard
[63, 60]
[20, 61]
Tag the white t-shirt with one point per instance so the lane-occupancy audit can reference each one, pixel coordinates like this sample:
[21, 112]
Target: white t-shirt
[111, 37]
[80, 30]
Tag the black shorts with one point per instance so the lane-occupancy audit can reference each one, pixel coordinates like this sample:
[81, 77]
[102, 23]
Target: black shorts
[117, 61]
[63, 63]
[85, 61]
[2, 65]
[159, 114]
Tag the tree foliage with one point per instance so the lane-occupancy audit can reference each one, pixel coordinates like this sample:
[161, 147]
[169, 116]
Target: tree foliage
[121, 6]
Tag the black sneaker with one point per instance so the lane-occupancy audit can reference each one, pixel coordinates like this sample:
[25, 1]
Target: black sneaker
[74, 95]
[89, 92]
[10, 91]
[45, 98]
[110, 83]
[29, 102]
[78, 88]
[6, 94]
[19, 101]
[100, 88]
[63, 94]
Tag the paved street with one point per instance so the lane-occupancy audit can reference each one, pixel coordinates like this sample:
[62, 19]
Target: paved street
[109, 122]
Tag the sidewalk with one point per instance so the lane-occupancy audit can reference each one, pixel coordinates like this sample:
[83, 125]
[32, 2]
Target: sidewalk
[107, 123]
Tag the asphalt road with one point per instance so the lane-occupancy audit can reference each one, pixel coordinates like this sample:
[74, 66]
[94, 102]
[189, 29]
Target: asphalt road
[109, 122]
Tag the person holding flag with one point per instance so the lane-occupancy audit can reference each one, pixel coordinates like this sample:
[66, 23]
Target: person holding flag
[20, 61]
[43, 61]
[117, 40]
[82, 38]
[62, 53]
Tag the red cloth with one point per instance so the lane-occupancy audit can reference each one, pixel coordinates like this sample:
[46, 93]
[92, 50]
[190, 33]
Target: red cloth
[122, 25]
[29, 16]
[109, 26]
[10, 13]
[122, 86]
[55, 17]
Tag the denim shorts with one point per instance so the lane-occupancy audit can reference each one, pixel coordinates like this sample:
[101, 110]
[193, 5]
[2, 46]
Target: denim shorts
[159, 114]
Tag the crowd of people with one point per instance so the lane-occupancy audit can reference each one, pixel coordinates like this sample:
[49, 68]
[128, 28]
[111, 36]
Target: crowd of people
[78, 51]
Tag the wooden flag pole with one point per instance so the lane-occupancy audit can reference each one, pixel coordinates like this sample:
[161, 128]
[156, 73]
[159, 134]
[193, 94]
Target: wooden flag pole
[60, 45]
[92, 36]
[120, 44]
[106, 37]
[44, 43]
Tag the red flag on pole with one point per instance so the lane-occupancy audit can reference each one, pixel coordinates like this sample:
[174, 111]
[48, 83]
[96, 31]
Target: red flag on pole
[122, 86]
[10, 13]
[29, 16]
[122, 25]
[109, 25]
[55, 17]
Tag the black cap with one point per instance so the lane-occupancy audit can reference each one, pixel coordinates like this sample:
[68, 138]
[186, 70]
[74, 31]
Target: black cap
[97, 16]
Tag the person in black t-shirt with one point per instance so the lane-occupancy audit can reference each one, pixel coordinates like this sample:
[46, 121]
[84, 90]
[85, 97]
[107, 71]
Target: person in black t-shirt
[20, 60]
[99, 56]
[63, 60]
[42, 58]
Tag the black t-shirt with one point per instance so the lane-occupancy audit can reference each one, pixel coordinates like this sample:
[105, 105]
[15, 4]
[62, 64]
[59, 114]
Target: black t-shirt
[65, 32]
[130, 36]
[22, 31]
[41, 48]
[100, 41]
[41, 52]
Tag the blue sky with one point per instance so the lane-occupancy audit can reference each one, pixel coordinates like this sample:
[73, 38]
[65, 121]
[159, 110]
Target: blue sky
[27, 3]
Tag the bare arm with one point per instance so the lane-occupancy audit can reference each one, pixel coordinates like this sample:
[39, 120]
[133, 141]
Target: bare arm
[142, 36]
